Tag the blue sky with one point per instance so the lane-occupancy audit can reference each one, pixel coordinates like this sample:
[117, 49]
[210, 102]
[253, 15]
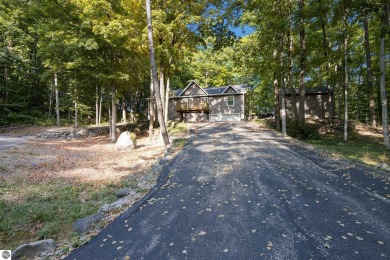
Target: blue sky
[242, 31]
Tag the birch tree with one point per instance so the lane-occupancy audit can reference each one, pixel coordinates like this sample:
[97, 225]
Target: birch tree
[383, 32]
[156, 86]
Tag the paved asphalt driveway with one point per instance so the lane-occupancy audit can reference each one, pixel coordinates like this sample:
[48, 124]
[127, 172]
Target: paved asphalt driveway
[236, 193]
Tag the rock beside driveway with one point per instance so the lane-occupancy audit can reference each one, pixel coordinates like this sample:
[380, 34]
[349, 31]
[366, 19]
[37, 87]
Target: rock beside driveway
[126, 140]
[383, 166]
[124, 192]
[35, 249]
[84, 225]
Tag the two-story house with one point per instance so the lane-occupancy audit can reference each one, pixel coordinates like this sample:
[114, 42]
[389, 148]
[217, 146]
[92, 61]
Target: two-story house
[194, 103]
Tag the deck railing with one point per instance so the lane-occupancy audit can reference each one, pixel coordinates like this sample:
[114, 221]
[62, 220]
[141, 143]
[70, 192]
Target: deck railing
[193, 107]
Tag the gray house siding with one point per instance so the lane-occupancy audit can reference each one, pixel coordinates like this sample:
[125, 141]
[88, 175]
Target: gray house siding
[219, 108]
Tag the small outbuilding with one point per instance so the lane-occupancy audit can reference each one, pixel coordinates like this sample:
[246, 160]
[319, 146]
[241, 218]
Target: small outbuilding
[317, 102]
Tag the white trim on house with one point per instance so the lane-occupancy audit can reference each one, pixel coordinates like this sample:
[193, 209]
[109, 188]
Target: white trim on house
[227, 101]
[225, 117]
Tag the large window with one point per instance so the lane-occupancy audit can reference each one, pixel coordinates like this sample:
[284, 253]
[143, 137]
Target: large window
[230, 101]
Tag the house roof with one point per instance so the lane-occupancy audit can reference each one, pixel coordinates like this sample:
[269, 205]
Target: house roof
[189, 85]
[313, 91]
[238, 89]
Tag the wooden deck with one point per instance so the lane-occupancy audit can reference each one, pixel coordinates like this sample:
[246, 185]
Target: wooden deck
[193, 107]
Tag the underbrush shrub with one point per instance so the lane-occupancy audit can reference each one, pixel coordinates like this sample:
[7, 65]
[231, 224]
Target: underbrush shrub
[303, 132]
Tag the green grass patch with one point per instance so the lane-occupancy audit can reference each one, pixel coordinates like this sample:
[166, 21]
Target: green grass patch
[358, 148]
[175, 127]
[46, 210]
[179, 143]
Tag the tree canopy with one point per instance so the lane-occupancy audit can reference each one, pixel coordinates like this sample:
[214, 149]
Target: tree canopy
[91, 46]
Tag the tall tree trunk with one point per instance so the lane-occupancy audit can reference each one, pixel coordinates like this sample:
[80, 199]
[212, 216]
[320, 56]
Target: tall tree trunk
[385, 123]
[302, 41]
[328, 87]
[50, 102]
[282, 90]
[57, 100]
[168, 89]
[370, 82]
[113, 112]
[163, 128]
[277, 103]
[283, 105]
[339, 103]
[151, 108]
[100, 106]
[294, 111]
[162, 90]
[358, 95]
[76, 122]
[109, 117]
[124, 110]
[6, 83]
[346, 80]
[97, 106]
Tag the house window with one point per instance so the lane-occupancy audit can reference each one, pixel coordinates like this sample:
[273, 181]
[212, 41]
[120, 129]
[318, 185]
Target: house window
[204, 99]
[230, 101]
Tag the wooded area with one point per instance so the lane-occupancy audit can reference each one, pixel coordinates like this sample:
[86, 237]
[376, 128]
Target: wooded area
[88, 60]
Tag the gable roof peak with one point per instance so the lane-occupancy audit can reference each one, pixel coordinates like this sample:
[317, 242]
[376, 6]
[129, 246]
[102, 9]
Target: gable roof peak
[189, 85]
[229, 87]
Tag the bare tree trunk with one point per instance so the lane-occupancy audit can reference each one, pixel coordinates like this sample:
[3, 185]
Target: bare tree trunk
[302, 40]
[358, 96]
[97, 106]
[162, 90]
[167, 101]
[346, 81]
[163, 128]
[283, 91]
[57, 100]
[109, 117]
[113, 112]
[277, 103]
[100, 106]
[328, 87]
[339, 103]
[385, 123]
[151, 108]
[76, 123]
[50, 102]
[124, 110]
[283, 101]
[370, 82]
[294, 111]
[6, 83]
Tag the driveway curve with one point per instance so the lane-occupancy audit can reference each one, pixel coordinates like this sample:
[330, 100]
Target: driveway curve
[240, 192]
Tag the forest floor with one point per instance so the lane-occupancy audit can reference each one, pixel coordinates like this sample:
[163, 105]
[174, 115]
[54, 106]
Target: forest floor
[365, 143]
[47, 184]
